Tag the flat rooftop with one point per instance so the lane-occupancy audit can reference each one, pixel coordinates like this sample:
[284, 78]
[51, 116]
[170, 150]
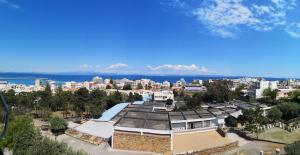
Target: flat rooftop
[146, 120]
[143, 116]
[190, 115]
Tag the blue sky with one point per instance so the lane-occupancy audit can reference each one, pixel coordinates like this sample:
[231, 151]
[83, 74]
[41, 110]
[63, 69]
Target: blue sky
[224, 37]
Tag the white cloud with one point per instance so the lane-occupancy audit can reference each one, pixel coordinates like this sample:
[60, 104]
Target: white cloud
[225, 18]
[97, 66]
[224, 13]
[85, 66]
[117, 66]
[12, 5]
[293, 30]
[288, 4]
[178, 68]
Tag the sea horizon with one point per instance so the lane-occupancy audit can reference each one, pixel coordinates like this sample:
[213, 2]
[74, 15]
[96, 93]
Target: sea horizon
[28, 78]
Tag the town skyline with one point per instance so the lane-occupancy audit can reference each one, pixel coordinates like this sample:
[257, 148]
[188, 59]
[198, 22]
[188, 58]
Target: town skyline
[170, 37]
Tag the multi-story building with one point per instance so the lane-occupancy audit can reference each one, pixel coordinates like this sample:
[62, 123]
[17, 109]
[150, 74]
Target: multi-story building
[265, 85]
[180, 83]
[37, 85]
[3, 85]
[166, 85]
[97, 80]
[163, 95]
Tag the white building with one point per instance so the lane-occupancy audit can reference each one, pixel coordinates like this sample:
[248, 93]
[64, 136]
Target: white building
[37, 85]
[72, 85]
[282, 93]
[19, 88]
[166, 84]
[265, 85]
[181, 82]
[3, 85]
[196, 81]
[107, 81]
[163, 95]
[52, 85]
[97, 80]
[87, 85]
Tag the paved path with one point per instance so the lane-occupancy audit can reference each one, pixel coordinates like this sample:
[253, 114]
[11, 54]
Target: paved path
[103, 149]
[234, 137]
[252, 147]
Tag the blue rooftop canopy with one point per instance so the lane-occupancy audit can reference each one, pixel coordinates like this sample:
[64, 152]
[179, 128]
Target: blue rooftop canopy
[138, 102]
[112, 112]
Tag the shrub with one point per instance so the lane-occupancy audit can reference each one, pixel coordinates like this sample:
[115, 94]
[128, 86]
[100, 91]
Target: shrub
[292, 149]
[289, 110]
[58, 124]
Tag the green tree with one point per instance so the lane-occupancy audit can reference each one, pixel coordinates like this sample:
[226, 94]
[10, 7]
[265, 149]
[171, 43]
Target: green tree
[175, 93]
[82, 98]
[231, 121]
[59, 99]
[272, 94]
[58, 124]
[289, 110]
[108, 87]
[46, 146]
[113, 99]
[46, 101]
[111, 81]
[17, 125]
[130, 97]
[295, 96]
[219, 90]
[137, 97]
[140, 86]
[194, 102]
[97, 109]
[239, 94]
[127, 87]
[274, 114]
[68, 101]
[97, 103]
[98, 94]
[293, 149]
[252, 119]
[24, 139]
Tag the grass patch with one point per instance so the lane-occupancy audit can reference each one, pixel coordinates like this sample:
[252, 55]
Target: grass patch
[280, 135]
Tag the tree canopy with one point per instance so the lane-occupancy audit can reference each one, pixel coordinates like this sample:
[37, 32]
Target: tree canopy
[219, 91]
[127, 87]
[270, 93]
[58, 124]
[295, 96]
[252, 119]
[274, 114]
[194, 102]
[292, 149]
[23, 138]
[289, 110]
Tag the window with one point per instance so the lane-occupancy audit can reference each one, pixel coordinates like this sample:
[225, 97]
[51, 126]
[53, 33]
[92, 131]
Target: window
[198, 124]
[206, 124]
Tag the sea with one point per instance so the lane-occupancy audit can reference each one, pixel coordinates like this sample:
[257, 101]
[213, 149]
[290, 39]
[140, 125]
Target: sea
[29, 78]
